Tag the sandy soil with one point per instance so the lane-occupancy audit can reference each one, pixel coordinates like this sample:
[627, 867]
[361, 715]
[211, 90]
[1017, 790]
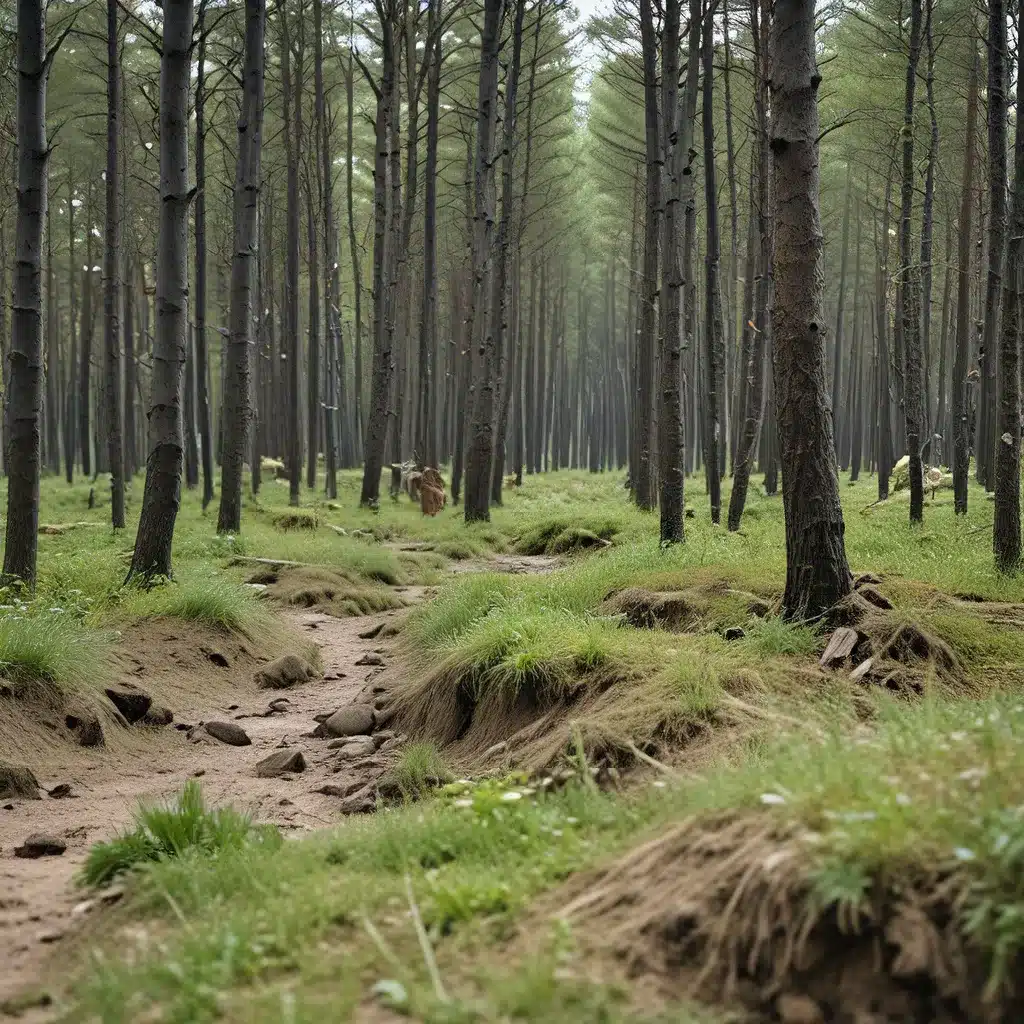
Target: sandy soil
[39, 902]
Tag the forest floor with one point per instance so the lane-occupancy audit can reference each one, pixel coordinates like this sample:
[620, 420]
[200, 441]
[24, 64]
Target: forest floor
[574, 777]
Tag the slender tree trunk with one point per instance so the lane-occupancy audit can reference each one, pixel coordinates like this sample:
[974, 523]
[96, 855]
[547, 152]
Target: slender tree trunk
[238, 388]
[131, 460]
[930, 424]
[643, 473]
[52, 358]
[486, 314]
[162, 497]
[26, 351]
[817, 573]
[884, 445]
[713, 332]
[112, 271]
[501, 291]
[961, 426]
[314, 403]
[756, 291]
[997, 87]
[837, 347]
[377, 427]
[1006, 538]
[359, 422]
[425, 443]
[202, 361]
[70, 392]
[909, 284]
[86, 335]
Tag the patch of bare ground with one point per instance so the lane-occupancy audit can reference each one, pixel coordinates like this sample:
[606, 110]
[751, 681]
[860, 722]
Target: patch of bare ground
[725, 909]
[204, 677]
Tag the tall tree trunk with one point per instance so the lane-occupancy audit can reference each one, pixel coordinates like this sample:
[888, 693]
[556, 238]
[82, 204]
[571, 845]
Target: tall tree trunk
[202, 362]
[86, 336]
[713, 333]
[817, 573]
[314, 403]
[335, 383]
[757, 288]
[930, 425]
[837, 347]
[112, 271]
[909, 284]
[476, 503]
[358, 417]
[131, 460]
[1006, 530]
[677, 117]
[377, 426]
[162, 497]
[292, 98]
[70, 392]
[425, 443]
[884, 445]
[961, 426]
[52, 358]
[238, 389]
[984, 449]
[643, 473]
[501, 291]
[26, 351]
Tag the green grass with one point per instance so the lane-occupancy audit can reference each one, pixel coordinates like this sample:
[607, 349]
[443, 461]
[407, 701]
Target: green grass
[420, 768]
[186, 828]
[53, 648]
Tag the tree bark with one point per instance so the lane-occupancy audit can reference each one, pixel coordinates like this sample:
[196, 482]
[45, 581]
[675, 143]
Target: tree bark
[476, 503]
[358, 417]
[26, 352]
[713, 332]
[913, 399]
[238, 388]
[377, 425]
[642, 474]
[202, 361]
[1006, 539]
[112, 272]
[86, 338]
[984, 449]
[70, 391]
[162, 497]
[817, 573]
[961, 426]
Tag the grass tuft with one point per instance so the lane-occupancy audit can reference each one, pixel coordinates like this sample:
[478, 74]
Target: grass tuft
[188, 827]
[53, 648]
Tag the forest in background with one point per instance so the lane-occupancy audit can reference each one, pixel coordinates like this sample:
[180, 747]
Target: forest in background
[408, 292]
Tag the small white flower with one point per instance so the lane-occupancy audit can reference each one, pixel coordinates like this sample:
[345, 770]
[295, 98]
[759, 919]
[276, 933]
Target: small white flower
[902, 799]
[958, 737]
[659, 784]
[962, 853]
[770, 798]
[511, 796]
[462, 803]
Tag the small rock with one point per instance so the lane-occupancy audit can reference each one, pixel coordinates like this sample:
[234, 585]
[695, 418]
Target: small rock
[183, 727]
[370, 659]
[61, 791]
[287, 671]
[385, 716]
[354, 720]
[362, 802]
[51, 936]
[17, 782]
[10, 807]
[40, 845]
[218, 659]
[357, 746]
[85, 724]
[345, 741]
[793, 1008]
[734, 633]
[279, 763]
[862, 670]
[131, 701]
[498, 748]
[198, 774]
[232, 707]
[285, 802]
[228, 732]
[840, 646]
[382, 737]
[372, 633]
[343, 789]
[279, 704]
[156, 716]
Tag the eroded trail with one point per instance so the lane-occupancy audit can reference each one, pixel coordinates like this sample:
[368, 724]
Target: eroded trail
[40, 905]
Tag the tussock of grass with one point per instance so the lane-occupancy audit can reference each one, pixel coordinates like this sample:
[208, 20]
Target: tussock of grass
[421, 767]
[336, 591]
[215, 601]
[185, 828]
[55, 649]
[297, 520]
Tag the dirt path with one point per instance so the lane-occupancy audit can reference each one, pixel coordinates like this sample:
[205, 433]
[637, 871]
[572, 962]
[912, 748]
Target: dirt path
[39, 902]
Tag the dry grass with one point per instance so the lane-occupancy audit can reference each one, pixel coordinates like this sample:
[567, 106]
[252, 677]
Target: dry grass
[335, 591]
